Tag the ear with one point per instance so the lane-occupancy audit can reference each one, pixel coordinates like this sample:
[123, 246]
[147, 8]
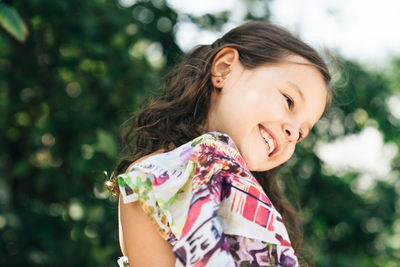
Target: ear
[222, 65]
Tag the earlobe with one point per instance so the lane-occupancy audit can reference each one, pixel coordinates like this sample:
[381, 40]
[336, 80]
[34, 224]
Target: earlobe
[222, 65]
[217, 82]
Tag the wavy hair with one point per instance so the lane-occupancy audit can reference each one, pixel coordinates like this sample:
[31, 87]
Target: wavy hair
[179, 114]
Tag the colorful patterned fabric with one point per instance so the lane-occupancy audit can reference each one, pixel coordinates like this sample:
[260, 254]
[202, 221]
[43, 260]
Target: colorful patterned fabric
[209, 206]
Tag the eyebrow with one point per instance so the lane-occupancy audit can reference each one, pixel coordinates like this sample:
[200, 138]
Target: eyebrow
[297, 89]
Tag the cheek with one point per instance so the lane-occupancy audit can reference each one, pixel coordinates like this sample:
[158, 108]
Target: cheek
[271, 105]
[265, 109]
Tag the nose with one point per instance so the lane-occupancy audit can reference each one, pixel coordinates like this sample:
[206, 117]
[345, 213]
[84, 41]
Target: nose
[291, 131]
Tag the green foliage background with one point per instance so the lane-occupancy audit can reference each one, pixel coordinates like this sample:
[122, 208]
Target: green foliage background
[84, 67]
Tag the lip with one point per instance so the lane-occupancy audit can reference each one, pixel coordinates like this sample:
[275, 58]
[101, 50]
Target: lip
[276, 143]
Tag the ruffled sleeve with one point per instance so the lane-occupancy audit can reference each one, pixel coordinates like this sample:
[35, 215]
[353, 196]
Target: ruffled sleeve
[135, 184]
[138, 185]
[202, 241]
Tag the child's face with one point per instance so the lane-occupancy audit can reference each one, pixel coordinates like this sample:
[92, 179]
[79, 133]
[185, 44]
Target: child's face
[264, 112]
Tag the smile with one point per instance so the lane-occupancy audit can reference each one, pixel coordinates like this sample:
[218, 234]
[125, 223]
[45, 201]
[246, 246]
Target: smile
[269, 139]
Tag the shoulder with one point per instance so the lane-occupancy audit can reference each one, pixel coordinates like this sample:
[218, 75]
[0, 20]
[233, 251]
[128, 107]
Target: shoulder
[216, 147]
[140, 240]
[154, 173]
[212, 146]
[144, 158]
[138, 232]
[215, 137]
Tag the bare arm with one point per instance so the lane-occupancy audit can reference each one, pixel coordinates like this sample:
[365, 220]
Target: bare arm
[140, 240]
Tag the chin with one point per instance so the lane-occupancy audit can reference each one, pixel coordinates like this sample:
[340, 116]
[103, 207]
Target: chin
[261, 169]
[257, 160]
[259, 166]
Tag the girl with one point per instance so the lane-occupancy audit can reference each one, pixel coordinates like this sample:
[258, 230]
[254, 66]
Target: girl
[231, 113]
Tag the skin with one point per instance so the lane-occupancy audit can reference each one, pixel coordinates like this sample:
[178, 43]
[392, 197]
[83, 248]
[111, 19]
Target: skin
[286, 99]
[248, 99]
[138, 237]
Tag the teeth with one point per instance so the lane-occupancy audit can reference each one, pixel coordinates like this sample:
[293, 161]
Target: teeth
[269, 140]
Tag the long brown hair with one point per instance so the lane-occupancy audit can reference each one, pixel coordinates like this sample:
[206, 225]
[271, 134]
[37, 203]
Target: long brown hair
[180, 113]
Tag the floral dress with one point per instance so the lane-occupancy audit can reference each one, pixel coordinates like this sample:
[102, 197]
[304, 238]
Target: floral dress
[208, 206]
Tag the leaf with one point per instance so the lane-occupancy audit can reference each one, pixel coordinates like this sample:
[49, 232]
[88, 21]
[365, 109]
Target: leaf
[12, 22]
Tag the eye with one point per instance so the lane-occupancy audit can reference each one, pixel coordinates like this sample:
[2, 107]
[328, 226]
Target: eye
[289, 101]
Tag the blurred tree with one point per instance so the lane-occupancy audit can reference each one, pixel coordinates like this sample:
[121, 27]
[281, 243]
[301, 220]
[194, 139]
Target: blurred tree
[84, 67]
[64, 92]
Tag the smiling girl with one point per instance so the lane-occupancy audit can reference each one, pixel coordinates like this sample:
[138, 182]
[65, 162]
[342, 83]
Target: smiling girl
[230, 114]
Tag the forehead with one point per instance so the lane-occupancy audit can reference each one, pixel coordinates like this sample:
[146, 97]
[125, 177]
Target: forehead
[294, 64]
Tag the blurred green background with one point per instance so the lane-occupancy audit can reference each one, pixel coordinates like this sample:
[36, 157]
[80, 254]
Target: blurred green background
[72, 71]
